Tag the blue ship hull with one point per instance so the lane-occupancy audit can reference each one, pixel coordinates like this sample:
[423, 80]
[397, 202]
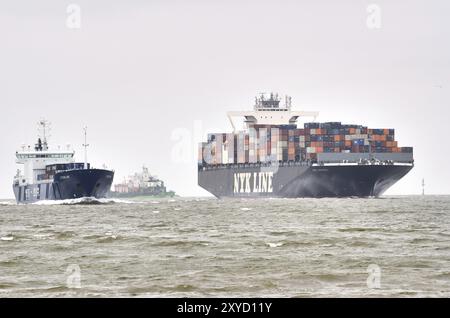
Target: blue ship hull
[70, 184]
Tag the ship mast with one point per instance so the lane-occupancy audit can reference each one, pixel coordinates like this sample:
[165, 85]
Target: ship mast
[423, 186]
[45, 127]
[85, 145]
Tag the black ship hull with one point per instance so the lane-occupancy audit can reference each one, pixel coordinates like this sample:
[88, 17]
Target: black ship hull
[71, 184]
[296, 181]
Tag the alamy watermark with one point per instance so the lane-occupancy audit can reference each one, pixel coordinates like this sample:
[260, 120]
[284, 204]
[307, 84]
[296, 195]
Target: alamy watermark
[188, 146]
[373, 20]
[73, 279]
[374, 278]
[73, 20]
[185, 147]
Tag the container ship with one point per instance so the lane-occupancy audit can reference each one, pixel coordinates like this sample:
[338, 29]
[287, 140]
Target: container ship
[141, 185]
[54, 175]
[273, 157]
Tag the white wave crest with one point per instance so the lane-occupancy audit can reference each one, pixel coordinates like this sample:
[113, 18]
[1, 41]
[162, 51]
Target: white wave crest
[87, 201]
[274, 244]
[7, 203]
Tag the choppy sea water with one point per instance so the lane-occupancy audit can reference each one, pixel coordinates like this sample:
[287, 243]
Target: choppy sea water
[389, 247]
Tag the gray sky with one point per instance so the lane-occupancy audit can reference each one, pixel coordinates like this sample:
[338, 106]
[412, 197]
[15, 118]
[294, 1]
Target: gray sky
[140, 72]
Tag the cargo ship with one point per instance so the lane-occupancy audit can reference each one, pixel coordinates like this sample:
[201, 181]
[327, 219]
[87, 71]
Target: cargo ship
[141, 184]
[54, 175]
[272, 157]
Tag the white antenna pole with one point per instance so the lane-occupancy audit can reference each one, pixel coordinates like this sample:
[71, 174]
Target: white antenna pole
[45, 126]
[85, 145]
[44, 137]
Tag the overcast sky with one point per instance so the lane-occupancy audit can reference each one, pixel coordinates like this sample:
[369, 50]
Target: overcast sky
[141, 73]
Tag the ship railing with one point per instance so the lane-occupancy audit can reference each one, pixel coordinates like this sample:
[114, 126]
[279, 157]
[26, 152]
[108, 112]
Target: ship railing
[364, 163]
[254, 165]
[293, 163]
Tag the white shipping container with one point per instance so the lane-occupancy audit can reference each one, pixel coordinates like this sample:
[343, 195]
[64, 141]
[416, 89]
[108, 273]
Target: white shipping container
[252, 145]
[357, 136]
[200, 152]
[219, 148]
[241, 147]
[263, 144]
[224, 156]
[213, 152]
[274, 144]
[230, 147]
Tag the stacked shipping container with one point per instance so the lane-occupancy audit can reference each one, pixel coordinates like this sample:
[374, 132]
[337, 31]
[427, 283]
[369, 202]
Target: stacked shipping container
[265, 143]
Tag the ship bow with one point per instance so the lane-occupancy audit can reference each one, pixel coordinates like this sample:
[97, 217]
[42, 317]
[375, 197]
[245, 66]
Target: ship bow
[83, 183]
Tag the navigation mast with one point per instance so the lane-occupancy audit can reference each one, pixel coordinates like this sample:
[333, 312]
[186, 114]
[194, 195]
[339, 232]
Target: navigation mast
[44, 127]
[85, 145]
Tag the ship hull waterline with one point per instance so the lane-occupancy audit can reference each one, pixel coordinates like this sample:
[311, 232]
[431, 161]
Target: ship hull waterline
[71, 184]
[301, 181]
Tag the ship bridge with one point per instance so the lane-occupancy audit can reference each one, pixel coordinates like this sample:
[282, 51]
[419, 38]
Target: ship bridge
[268, 110]
[35, 160]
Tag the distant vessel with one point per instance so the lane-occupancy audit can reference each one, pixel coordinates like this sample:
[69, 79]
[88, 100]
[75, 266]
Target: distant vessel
[141, 184]
[54, 175]
[272, 157]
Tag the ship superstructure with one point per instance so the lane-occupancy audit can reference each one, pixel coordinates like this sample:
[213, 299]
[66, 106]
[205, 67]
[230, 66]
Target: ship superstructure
[53, 174]
[141, 184]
